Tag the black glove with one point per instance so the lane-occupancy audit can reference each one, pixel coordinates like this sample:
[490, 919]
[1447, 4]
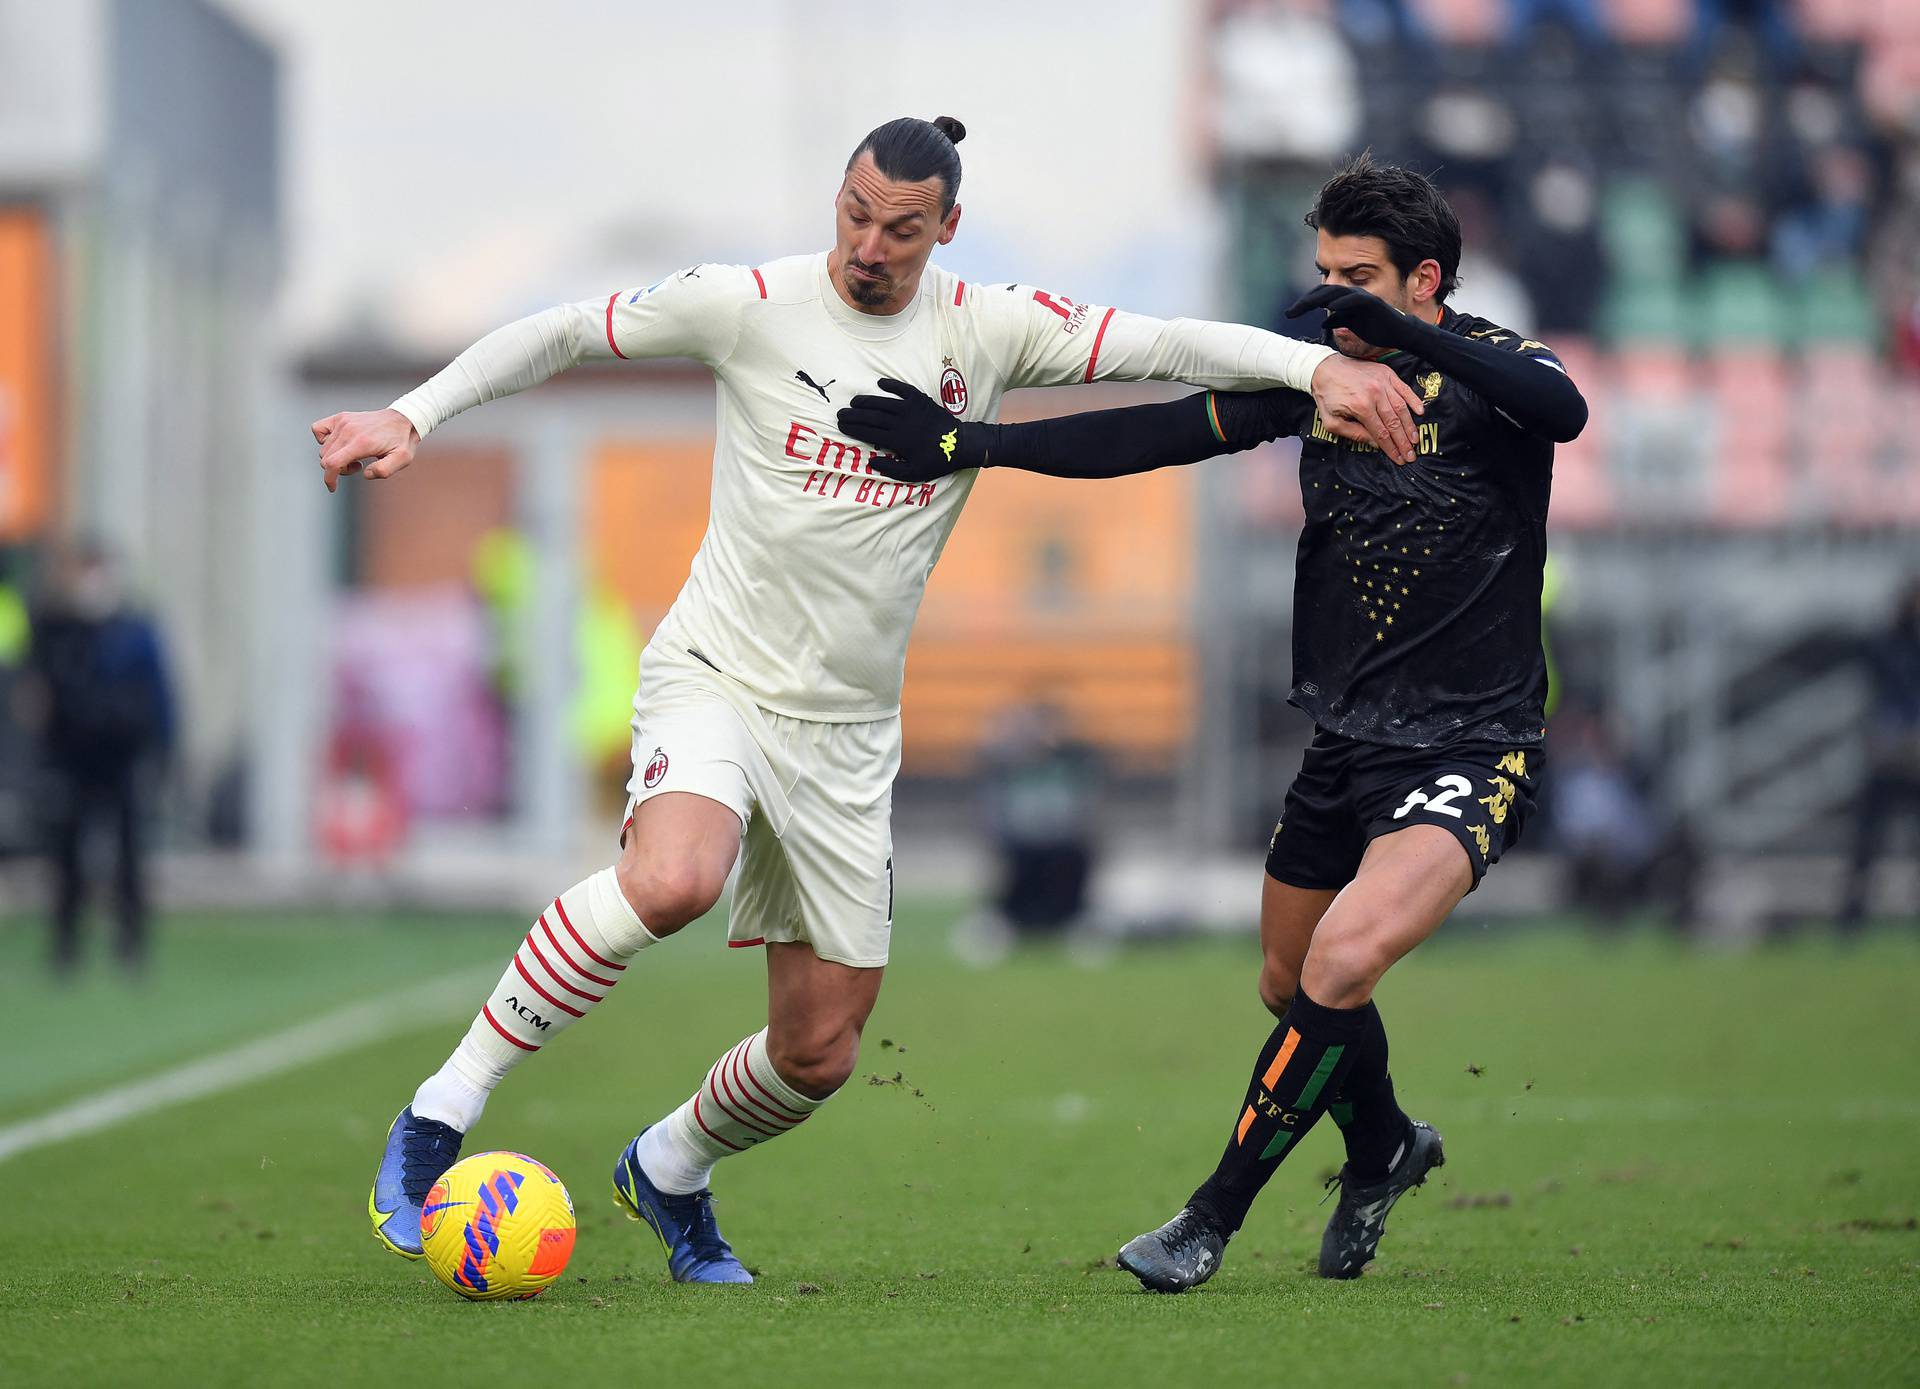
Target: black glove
[916, 440]
[1369, 318]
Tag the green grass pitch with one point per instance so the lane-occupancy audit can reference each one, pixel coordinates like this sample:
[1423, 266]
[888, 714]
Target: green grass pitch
[1666, 1166]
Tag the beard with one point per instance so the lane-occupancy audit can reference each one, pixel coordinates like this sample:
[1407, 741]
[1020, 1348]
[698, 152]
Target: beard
[868, 292]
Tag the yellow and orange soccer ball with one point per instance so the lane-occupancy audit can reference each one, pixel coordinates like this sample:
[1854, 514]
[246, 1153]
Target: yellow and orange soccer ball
[497, 1225]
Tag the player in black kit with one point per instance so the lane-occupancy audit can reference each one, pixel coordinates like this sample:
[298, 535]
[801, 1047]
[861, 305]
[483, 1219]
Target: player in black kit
[1416, 651]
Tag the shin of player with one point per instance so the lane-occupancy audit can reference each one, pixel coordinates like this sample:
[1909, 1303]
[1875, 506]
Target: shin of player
[577, 950]
[742, 1102]
[769, 1083]
[676, 854]
[764, 1086]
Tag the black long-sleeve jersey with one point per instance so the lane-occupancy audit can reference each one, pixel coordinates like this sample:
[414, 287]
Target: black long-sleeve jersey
[1417, 586]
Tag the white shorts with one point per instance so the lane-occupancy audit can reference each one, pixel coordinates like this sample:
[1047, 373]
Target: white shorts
[816, 801]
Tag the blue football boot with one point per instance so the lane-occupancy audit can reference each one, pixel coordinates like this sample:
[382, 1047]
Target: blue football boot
[696, 1251]
[418, 1152]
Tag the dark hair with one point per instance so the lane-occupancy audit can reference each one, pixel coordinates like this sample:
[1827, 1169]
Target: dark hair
[1400, 207]
[910, 149]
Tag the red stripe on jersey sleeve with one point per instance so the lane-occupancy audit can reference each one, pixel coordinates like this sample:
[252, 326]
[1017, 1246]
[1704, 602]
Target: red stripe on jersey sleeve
[959, 293]
[610, 342]
[1094, 360]
[762, 283]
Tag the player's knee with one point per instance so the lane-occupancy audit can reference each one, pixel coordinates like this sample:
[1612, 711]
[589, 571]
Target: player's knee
[1277, 986]
[815, 1064]
[1345, 967]
[666, 896]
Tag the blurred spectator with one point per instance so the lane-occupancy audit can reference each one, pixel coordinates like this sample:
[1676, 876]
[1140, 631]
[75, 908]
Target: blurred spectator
[1599, 816]
[105, 719]
[361, 812]
[1658, 24]
[1892, 792]
[1896, 257]
[1491, 291]
[1286, 106]
[1890, 85]
[1765, 25]
[1830, 226]
[1374, 23]
[1287, 87]
[1620, 856]
[1740, 160]
[1461, 23]
[1487, 287]
[1579, 17]
[1561, 260]
[1040, 790]
[1469, 129]
[18, 821]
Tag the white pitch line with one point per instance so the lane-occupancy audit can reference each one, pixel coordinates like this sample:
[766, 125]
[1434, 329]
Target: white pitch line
[344, 1029]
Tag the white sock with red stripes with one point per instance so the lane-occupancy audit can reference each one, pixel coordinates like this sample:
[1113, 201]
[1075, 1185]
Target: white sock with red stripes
[742, 1102]
[570, 960]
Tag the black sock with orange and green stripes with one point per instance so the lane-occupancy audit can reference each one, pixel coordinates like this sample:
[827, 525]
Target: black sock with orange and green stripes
[1370, 1118]
[1301, 1068]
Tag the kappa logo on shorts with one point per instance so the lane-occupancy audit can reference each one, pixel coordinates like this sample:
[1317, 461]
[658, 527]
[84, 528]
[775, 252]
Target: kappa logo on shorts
[656, 769]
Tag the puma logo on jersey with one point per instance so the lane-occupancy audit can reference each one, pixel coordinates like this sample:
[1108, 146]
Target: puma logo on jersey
[811, 384]
[948, 442]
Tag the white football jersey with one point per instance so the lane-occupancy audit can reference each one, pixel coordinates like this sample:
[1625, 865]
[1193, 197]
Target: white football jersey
[813, 566]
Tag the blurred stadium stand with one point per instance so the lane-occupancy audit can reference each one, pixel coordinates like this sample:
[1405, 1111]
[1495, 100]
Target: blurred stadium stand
[1711, 210]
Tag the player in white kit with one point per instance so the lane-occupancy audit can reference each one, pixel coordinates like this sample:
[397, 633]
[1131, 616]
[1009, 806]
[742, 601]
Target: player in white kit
[766, 725]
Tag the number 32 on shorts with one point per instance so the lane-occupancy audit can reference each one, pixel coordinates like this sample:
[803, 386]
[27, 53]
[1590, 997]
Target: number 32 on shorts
[1451, 787]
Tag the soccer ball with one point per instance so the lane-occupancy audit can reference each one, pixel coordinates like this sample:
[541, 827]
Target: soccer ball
[497, 1225]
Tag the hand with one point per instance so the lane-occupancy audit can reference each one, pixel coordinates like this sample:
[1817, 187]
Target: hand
[1366, 403]
[1368, 317]
[373, 443]
[917, 439]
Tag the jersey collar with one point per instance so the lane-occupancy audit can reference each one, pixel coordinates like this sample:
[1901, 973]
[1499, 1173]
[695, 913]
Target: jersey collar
[866, 326]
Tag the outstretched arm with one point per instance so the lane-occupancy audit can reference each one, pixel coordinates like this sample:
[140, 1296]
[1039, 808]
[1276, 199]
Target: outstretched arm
[921, 441]
[1524, 382]
[1057, 342]
[379, 443]
[695, 313]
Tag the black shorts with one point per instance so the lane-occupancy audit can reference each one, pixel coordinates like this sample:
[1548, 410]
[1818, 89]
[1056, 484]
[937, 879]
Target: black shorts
[1348, 794]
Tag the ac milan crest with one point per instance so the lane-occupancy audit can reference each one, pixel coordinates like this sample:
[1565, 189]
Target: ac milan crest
[953, 389]
[656, 769]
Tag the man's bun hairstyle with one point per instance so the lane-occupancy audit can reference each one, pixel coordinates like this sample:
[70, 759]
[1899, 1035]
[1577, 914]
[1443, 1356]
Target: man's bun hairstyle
[1401, 207]
[909, 149]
